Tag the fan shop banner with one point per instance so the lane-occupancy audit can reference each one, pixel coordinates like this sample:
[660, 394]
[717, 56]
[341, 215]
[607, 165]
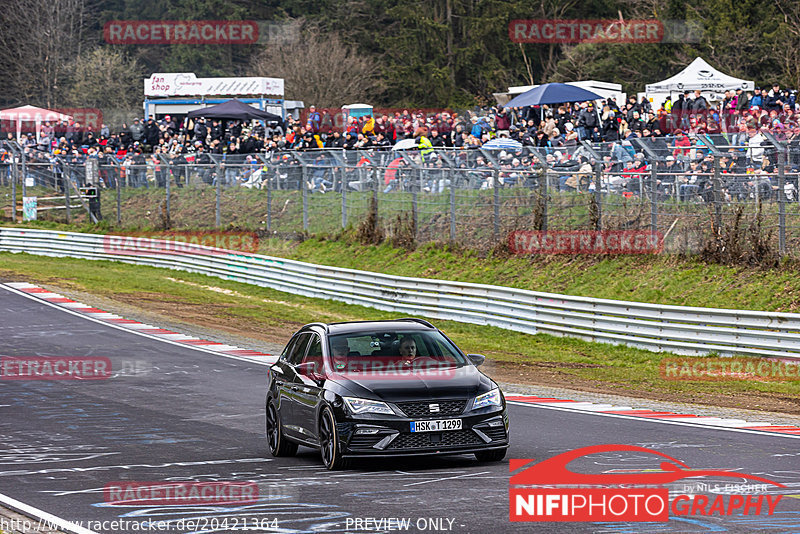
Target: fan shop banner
[187, 84]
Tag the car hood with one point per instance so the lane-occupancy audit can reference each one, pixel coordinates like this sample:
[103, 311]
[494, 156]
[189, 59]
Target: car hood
[450, 382]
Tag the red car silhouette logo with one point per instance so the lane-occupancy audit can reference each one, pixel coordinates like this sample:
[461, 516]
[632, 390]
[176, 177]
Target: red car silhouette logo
[554, 470]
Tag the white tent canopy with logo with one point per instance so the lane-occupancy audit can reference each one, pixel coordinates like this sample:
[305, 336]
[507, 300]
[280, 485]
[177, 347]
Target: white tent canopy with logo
[32, 114]
[357, 110]
[698, 75]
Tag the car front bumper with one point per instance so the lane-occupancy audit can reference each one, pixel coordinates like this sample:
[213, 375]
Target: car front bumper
[392, 436]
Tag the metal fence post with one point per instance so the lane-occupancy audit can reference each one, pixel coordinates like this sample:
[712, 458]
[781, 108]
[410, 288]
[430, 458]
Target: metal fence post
[218, 208]
[375, 191]
[24, 173]
[496, 205]
[415, 188]
[344, 201]
[452, 208]
[598, 197]
[166, 192]
[544, 200]
[269, 200]
[653, 198]
[14, 174]
[717, 188]
[304, 188]
[119, 198]
[781, 201]
[67, 185]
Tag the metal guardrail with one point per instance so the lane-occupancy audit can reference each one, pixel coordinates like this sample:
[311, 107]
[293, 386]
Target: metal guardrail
[678, 329]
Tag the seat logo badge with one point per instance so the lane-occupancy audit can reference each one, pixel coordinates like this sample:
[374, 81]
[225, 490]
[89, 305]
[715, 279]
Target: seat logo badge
[434, 408]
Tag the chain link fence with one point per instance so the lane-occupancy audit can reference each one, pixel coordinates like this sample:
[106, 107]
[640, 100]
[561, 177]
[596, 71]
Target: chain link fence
[723, 195]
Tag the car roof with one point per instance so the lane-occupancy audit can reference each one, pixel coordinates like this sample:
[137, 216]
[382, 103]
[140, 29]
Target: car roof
[372, 326]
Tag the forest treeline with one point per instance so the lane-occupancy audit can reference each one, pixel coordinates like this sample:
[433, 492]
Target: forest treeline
[423, 53]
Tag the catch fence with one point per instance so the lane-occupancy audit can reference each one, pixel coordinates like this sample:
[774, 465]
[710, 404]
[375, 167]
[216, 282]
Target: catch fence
[718, 193]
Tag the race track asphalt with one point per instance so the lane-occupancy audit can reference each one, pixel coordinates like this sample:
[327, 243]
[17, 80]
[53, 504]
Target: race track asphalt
[172, 413]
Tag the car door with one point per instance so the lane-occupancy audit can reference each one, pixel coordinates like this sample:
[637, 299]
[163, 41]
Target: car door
[285, 381]
[308, 390]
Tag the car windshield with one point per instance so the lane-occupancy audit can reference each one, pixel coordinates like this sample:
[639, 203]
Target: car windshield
[429, 347]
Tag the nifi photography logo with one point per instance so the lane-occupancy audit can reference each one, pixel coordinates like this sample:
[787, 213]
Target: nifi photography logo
[548, 491]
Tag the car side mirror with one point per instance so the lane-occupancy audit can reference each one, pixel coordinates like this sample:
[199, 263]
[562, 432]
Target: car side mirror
[476, 359]
[310, 369]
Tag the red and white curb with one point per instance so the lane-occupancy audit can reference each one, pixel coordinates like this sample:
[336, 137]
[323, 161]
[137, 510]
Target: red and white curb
[644, 413]
[142, 328]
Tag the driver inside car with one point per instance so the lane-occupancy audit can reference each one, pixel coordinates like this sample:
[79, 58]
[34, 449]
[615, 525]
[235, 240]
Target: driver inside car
[408, 350]
[340, 349]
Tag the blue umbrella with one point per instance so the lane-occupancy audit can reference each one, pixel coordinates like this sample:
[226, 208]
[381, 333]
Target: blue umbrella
[552, 93]
[502, 144]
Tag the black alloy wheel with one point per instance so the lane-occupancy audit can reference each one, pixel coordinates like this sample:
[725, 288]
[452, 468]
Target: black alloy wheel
[278, 444]
[329, 442]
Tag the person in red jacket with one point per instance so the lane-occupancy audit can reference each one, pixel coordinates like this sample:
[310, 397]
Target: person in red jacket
[682, 144]
[502, 122]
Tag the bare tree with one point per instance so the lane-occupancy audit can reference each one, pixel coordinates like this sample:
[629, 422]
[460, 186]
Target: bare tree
[320, 69]
[38, 39]
[549, 54]
[104, 78]
[577, 63]
[787, 49]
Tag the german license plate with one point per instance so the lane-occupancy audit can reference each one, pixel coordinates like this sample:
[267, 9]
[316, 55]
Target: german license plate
[436, 426]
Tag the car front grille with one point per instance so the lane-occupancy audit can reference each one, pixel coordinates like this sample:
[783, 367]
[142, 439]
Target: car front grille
[428, 440]
[422, 409]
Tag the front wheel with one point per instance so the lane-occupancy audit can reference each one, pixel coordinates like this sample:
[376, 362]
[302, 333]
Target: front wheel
[491, 456]
[329, 442]
[278, 444]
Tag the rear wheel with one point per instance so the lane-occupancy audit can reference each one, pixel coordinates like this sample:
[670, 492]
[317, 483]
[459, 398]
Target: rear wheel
[278, 444]
[329, 442]
[491, 456]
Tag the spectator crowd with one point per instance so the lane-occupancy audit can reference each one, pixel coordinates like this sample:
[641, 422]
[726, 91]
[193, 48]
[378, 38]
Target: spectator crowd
[167, 144]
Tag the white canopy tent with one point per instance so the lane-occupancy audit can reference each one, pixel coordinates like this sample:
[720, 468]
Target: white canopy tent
[32, 114]
[697, 75]
[357, 110]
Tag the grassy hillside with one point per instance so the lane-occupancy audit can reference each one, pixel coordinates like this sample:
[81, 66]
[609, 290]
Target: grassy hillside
[657, 279]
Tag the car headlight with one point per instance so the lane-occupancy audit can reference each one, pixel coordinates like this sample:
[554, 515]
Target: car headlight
[490, 398]
[359, 406]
